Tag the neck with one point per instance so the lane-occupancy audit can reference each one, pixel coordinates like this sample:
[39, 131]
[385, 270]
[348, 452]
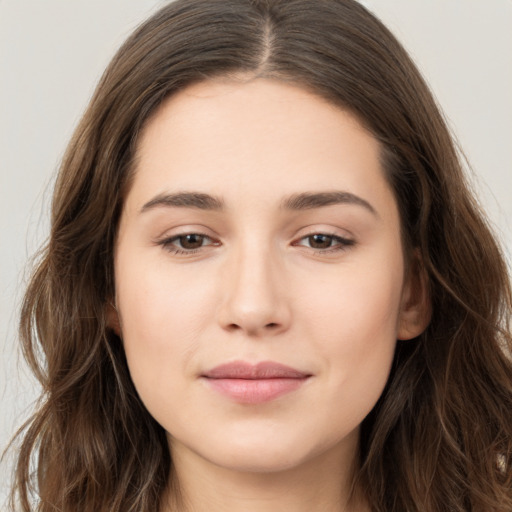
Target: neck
[322, 484]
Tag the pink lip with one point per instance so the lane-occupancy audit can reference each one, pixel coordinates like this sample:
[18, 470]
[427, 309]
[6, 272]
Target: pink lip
[253, 384]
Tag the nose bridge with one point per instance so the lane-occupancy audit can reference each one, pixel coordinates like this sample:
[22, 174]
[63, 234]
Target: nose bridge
[254, 299]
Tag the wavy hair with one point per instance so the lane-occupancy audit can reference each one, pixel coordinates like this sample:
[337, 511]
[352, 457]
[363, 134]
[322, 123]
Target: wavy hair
[440, 437]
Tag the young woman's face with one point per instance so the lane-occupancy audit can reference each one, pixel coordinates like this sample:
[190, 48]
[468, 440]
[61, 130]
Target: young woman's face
[259, 275]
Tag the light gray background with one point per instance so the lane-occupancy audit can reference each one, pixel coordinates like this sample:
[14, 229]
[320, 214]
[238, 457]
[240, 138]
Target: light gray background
[52, 53]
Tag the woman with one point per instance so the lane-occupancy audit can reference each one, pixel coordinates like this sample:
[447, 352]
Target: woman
[267, 285]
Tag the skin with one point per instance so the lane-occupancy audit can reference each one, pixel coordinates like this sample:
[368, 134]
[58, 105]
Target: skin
[259, 287]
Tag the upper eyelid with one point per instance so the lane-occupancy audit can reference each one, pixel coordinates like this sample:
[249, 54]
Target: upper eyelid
[326, 233]
[342, 241]
[172, 238]
[332, 231]
[306, 231]
[178, 231]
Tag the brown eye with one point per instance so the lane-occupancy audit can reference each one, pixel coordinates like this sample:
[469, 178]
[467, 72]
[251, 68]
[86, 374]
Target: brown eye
[191, 241]
[320, 241]
[187, 243]
[324, 243]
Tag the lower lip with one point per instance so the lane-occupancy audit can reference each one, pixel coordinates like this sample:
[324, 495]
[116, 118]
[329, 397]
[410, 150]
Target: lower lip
[255, 391]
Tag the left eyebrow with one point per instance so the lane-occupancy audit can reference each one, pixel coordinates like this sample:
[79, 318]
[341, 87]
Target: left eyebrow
[310, 200]
[196, 200]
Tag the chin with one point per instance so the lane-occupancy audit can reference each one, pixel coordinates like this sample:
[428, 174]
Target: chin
[270, 450]
[258, 458]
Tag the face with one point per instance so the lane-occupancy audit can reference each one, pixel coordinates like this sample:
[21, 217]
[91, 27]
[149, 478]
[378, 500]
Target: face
[259, 275]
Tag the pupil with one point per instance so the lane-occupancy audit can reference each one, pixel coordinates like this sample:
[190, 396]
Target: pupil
[191, 241]
[320, 241]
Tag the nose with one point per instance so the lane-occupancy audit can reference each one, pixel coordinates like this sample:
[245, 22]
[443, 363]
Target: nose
[254, 295]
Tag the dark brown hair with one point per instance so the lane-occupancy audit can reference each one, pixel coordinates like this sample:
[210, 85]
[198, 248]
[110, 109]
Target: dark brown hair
[440, 437]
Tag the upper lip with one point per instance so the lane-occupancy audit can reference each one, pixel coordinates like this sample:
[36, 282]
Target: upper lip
[262, 370]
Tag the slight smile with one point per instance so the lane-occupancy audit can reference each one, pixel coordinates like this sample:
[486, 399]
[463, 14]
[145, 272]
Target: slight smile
[247, 383]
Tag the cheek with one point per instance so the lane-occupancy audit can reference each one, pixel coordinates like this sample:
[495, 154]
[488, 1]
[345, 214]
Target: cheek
[163, 315]
[158, 301]
[353, 321]
[357, 304]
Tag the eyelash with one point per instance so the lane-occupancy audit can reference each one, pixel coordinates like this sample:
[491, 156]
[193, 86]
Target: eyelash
[341, 243]
[167, 243]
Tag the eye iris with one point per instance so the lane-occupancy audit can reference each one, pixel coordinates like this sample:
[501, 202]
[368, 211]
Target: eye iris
[320, 241]
[192, 241]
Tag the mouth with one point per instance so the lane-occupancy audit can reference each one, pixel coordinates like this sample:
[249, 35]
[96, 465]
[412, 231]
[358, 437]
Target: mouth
[253, 384]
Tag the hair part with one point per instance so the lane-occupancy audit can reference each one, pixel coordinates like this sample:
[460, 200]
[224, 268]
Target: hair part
[440, 437]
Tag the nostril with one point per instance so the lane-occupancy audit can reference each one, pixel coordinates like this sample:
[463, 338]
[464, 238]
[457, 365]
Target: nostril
[236, 327]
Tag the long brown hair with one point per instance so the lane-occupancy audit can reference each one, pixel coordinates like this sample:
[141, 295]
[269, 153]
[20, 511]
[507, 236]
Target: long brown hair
[440, 437]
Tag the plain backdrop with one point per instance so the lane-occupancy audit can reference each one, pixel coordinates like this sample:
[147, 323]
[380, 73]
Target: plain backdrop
[52, 53]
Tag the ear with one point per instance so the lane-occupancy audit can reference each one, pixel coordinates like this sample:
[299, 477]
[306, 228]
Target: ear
[415, 308]
[112, 316]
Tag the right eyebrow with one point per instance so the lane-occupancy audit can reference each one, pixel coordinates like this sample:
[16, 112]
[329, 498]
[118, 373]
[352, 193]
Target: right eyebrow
[311, 200]
[185, 200]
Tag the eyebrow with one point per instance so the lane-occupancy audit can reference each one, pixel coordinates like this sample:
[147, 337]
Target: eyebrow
[185, 200]
[310, 200]
[295, 202]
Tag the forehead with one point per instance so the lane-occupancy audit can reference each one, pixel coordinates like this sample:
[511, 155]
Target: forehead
[258, 138]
